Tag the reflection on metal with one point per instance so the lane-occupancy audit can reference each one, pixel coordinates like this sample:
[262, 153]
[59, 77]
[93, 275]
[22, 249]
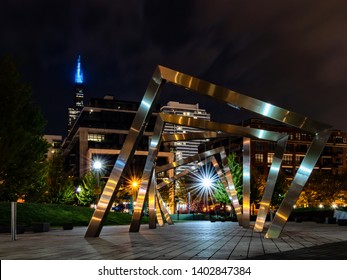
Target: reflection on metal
[197, 157]
[193, 136]
[151, 203]
[298, 183]
[176, 177]
[147, 176]
[163, 209]
[158, 213]
[270, 184]
[223, 127]
[164, 75]
[231, 189]
[241, 101]
[204, 158]
[125, 156]
[246, 181]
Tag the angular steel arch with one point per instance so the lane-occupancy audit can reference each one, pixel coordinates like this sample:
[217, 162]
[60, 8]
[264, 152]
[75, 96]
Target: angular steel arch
[203, 158]
[164, 75]
[247, 133]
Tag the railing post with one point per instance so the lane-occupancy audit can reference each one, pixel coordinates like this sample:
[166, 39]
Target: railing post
[13, 220]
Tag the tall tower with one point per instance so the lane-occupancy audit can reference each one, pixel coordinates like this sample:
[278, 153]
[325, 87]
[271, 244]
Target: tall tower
[75, 110]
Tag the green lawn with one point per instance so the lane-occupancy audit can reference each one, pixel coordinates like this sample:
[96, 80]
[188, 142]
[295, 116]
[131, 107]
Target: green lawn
[57, 215]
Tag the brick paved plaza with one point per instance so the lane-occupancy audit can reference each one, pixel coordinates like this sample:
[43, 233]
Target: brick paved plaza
[198, 240]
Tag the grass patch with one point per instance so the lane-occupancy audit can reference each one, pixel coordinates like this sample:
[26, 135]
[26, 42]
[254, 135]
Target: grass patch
[57, 215]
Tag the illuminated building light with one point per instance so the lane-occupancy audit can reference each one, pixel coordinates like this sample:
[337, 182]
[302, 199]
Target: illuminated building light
[79, 73]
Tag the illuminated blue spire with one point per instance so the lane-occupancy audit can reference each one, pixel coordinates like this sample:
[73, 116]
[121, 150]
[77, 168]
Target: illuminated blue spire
[79, 73]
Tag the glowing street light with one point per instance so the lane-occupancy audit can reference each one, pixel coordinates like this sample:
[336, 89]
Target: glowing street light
[97, 166]
[207, 182]
[205, 185]
[134, 184]
[78, 190]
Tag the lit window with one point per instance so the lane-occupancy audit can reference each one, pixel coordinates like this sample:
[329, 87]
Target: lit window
[270, 158]
[298, 159]
[287, 159]
[96, 137]
[259, 158]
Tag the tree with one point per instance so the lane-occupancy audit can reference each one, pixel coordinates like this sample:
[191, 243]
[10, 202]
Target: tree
[22, 146]
[221, 196]
[59, 187]
[323, 188]
[88, 193]
[237, 175]
[257, 186]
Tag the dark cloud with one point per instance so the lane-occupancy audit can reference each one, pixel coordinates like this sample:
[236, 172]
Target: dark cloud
[290, 53]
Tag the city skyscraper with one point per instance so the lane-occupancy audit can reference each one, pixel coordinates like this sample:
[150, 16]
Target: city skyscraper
[75, 110]
[184, 149]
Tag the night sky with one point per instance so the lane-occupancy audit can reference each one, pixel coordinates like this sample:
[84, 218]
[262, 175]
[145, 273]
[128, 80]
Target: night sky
[292, 54]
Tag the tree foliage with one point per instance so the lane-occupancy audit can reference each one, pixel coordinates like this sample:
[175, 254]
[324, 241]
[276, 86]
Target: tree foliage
[221, 194]
[60, 188]
[22, 146]
[323, 188]
[258, 183]
[89, 189]
[237, 175]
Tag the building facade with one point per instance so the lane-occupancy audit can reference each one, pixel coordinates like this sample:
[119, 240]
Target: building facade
[98, 134]
[184, 149]
[331, 163]
[55, 142]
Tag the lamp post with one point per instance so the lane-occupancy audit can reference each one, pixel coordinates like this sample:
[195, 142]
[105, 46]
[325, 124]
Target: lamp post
[134, 188]
[97, 165]
[206, 182]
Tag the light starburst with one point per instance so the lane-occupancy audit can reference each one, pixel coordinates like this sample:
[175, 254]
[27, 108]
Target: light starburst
[204, 182]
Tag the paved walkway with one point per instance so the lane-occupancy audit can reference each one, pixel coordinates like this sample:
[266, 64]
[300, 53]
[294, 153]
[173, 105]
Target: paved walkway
[198, 240]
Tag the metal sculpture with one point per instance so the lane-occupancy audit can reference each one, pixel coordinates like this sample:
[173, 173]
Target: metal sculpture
[203, 158]
[164, 75]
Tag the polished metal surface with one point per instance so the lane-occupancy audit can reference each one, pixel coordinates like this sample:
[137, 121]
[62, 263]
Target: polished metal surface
[270, 184]
[236, 131]
[125, 156]
[235, 99]
[146, 179]
[176, 177]
[164, 75]
[224, 178]
[193, 136]
[298, 184]
[231, 189]
[152, 203]
[246, 181]
[222, 127]
[239, 100]
[197, 157]
[163, 209]
[158, 213]
[228, 187]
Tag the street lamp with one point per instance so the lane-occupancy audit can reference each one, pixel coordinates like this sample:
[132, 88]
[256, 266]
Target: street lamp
[206, 183]
[134, 188]
[97, 166]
